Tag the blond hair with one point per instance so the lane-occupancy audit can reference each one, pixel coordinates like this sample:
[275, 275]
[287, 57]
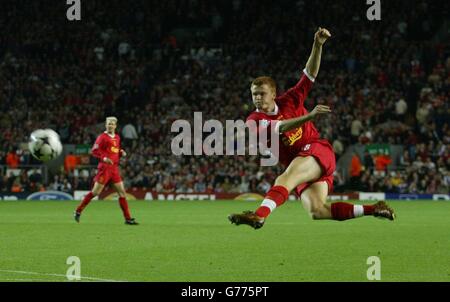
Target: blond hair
[111, 118]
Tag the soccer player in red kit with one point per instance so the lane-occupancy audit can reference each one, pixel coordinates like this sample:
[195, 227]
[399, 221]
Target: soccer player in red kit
[309, 160]
[107, 150]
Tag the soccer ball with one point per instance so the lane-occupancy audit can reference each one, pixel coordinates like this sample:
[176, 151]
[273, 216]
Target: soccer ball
[45, 144]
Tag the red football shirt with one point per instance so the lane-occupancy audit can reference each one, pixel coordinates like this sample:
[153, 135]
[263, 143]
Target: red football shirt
[290, 105]
[107, 146]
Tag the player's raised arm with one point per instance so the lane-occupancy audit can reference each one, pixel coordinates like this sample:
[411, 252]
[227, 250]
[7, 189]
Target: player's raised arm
[299, 92]
[313, 64]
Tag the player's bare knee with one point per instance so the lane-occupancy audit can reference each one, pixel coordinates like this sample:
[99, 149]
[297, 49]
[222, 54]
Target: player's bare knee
[316, 215]
[121, 192]
[97, 189]
[313, 212]
[316, 209]
[322, 212]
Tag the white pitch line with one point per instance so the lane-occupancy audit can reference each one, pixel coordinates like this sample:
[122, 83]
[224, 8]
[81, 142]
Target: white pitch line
[57, 275]
[26, 280]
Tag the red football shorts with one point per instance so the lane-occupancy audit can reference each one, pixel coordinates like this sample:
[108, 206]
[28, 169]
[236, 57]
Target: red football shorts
[323, 152]
[108, 173]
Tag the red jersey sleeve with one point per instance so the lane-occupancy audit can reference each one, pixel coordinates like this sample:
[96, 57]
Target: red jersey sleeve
[98, 148]
[299, 92]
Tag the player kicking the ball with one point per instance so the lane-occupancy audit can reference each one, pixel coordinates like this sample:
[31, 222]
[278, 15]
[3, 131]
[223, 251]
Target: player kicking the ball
[309, 160]
[107, 150]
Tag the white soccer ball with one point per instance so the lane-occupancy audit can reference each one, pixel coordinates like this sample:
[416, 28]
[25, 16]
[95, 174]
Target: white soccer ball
[45, 144]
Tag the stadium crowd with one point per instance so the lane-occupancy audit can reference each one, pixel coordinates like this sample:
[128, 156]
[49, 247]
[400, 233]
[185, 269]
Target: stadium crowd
[387, 82]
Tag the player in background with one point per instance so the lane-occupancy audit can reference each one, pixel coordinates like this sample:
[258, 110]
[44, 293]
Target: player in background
[309, 160]
[107, 150]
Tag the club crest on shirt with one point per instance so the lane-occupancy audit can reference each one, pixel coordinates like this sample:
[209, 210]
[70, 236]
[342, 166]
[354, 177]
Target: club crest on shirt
[114, 150]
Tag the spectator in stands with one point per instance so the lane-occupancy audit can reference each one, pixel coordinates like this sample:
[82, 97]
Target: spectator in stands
[200, 185]
[423, 113]
[16, 186]
[70, 162]
[338, 148]
[400, 109]
[12, 158]
[368, 161]
[129, 135]
[405, 159]
[66, 186]
[244, 186]
[355, 171]
[356, 129]
[381, 163]
[56, 184]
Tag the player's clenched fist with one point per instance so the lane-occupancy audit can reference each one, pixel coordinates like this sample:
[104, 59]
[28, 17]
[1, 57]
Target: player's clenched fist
[320, 109]
[321, 35]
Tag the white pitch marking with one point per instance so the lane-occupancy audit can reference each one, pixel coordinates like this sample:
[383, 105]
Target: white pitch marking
[57, 275]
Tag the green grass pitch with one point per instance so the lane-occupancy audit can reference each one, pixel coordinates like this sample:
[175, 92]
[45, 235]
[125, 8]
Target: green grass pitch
[193, 241]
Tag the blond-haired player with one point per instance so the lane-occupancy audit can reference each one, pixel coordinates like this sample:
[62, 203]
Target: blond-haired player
[107, 150]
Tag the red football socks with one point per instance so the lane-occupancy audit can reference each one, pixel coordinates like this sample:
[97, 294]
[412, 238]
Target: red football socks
[124, 206]
[276, 196]
[368, 210]
[122, 202]
[86, 200]
[343, 210]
